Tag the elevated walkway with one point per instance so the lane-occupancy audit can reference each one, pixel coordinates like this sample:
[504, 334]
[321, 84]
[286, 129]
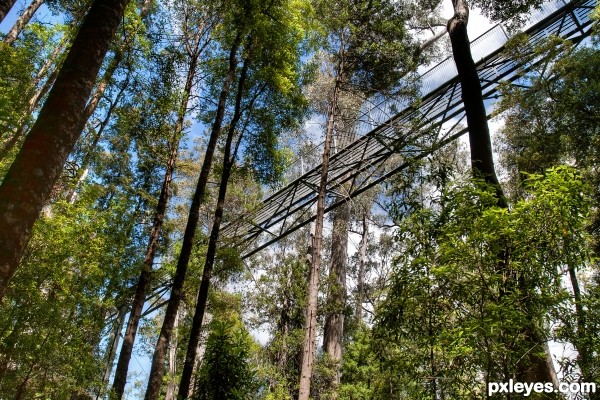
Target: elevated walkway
[392, 135]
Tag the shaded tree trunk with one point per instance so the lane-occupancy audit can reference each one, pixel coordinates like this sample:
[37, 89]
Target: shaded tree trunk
[5, 6]
[31, 177]
[361, 267]
[158, 359]
[146, 272]
[211, 252]
[482, 161]
[23, 20]
[336, 298]
[536, 365]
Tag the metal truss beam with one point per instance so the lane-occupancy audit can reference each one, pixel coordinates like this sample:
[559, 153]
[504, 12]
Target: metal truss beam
[390, 141]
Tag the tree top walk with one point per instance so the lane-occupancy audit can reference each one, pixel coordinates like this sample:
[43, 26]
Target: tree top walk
[392, 134]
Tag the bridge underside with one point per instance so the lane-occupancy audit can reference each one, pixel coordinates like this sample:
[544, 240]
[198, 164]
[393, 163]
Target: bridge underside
[389, 141]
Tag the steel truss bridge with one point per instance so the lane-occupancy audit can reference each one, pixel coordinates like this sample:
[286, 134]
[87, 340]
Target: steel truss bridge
[410, 134]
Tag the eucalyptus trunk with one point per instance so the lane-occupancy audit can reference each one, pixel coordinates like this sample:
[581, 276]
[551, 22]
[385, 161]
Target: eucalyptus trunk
[38, 165]
[170, 395]
[333, 334]
[144, 279]
[111, 348]
[211, 252]
[362, 254]
[158, 360]
[482, 161]
[536, 365]
[310, 325]
[23, 20]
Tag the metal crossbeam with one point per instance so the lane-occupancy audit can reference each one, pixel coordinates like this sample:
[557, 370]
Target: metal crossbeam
[389, 141]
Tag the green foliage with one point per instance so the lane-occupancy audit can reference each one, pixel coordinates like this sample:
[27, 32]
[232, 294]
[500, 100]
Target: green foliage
[565, 126]
[499, 10]
[277, 39]
[371, 40]
[449, 319]
[225, 372]
[16, 84]
[52, 322]
[19, 65]
[360, 367]
[451, 316]
[278, 304]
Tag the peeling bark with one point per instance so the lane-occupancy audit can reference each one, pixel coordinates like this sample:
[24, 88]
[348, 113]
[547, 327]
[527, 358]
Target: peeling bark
[145, 276]
[170, 395]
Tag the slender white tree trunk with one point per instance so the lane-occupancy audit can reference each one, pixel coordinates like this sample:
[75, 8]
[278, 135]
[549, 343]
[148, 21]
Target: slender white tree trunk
[310, 327]
[22, 21]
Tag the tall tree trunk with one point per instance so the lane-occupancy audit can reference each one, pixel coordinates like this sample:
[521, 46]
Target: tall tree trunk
[211, 252]
[5, 6]
[31, 177]
[157, 371]
[170, 395]
[482, 161]
[159, 215]
[310, 326]
[362, 254]
[111, 348]
[535, 366]
[22, 21]
[333, 334]
[336, 295]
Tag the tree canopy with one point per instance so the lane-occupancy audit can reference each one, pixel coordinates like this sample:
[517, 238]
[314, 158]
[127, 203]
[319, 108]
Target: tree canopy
[136, 138]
